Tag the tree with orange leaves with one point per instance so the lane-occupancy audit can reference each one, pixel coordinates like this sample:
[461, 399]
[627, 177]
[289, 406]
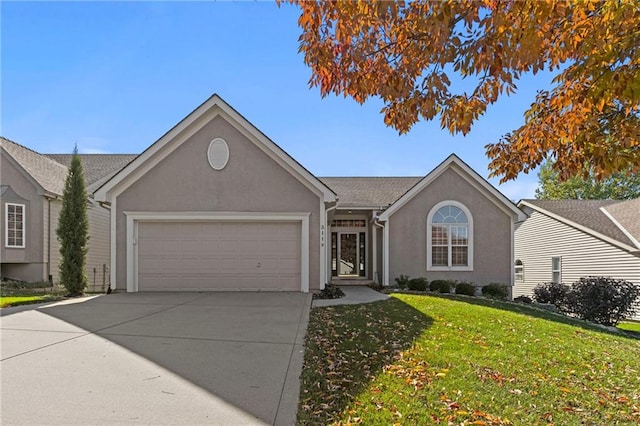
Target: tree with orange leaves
[405, 53]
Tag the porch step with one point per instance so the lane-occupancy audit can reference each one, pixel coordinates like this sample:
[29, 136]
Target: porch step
[350, 282]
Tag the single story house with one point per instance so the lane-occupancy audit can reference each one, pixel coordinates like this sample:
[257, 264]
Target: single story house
[214, 204]
[563, 240]
[31, 191]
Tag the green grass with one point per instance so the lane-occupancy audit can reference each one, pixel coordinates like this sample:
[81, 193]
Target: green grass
[14, 293]
[630, 326]
[6, 301]
[435, 360]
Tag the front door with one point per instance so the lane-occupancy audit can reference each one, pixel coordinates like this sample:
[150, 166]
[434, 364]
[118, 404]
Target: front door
[348, 255]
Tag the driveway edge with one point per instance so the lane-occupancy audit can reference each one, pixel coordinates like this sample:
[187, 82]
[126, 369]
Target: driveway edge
[288, 407]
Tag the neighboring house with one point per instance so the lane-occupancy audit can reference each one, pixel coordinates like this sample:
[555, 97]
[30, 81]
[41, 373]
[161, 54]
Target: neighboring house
[563, 240]
[214, 204]
[32, 186]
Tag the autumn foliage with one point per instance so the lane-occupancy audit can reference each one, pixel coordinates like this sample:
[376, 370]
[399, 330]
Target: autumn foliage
[407, 54]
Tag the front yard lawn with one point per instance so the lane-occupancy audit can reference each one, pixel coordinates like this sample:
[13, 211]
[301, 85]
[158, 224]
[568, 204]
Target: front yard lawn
[431, 360]
[6, 301]
[630, 325]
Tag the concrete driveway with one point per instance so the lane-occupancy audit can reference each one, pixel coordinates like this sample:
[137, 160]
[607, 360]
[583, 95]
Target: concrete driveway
[154, 358]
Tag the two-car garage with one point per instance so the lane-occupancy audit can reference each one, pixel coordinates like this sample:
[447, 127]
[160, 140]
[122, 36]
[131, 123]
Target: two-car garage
[218, 255]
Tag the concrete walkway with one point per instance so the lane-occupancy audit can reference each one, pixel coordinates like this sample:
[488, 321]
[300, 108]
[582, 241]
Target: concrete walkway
[159, 358]
[353, 295]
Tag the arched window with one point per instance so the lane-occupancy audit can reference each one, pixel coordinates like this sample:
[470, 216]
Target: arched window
[449, 237]
[519, 270]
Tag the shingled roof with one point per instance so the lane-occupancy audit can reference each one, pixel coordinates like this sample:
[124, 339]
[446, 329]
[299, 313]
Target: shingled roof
[369, 191]
[587, 213]
[49, 174]
[627, 214]
[96, 167]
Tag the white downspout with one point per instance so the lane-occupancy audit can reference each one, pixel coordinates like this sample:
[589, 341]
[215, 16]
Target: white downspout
[380, 225]
[327, 247]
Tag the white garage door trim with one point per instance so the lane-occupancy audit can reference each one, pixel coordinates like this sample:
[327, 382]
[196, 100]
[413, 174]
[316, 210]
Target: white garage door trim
[133, 218]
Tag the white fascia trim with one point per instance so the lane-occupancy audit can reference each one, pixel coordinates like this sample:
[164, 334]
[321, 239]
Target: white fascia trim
[278, 154]
[620, 227]
[582, 228]
[133, 217]
[191, 124]
[368, 208]
[435, 173]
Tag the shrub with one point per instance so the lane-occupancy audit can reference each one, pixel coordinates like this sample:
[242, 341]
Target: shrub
[523, 299]
[555, 293]
[330, 291]
[442, 286]
[418, 284]
[603, 300]
[434, 285]
[402, 281]
[496, 291]
[466, 288]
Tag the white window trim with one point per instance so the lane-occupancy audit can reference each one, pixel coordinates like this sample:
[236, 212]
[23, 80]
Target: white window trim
[135, 217]
[559, 270]
[466, 211]
[6, 225]
[515, 268]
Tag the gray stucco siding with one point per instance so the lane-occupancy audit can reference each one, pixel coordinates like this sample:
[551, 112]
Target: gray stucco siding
[251, 182]
[491, 233]
[33, 201]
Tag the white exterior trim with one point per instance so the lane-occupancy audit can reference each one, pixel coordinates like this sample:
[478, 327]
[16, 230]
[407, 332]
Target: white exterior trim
[112, 248]
[134, 217]
[196, 120]
[218, 163]
[385, 253]
[467, 212]
[512, 250]
[323, 250]
[473, 177]
[580, 227]
[374, 250]
[6, 225]
[622, 228]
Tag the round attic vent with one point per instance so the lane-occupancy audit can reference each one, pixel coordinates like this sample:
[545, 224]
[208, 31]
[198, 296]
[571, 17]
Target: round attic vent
[218, 154]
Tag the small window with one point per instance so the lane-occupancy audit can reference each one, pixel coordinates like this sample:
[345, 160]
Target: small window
[519, 270]
[14, 225]
[556, 269]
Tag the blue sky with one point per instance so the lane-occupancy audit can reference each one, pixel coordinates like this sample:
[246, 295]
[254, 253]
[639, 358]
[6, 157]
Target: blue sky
[115, 76]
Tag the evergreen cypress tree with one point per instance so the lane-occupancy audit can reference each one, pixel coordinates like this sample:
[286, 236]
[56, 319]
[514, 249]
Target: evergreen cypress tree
[73, 229]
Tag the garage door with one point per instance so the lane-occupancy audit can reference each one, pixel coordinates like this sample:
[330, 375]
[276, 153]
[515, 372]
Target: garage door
[219, 256]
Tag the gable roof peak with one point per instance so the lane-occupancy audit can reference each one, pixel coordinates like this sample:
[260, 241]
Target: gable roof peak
[47, 173]
[590, 216]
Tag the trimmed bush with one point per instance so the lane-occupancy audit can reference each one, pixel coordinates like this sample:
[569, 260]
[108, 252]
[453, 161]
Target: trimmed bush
[418, 284]
[555, 293]
[602, 300]
[496, 291]
[441, 286]
[402, 281]
[434, 285]
[330, 291]
[523, 299]
[466, 288]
